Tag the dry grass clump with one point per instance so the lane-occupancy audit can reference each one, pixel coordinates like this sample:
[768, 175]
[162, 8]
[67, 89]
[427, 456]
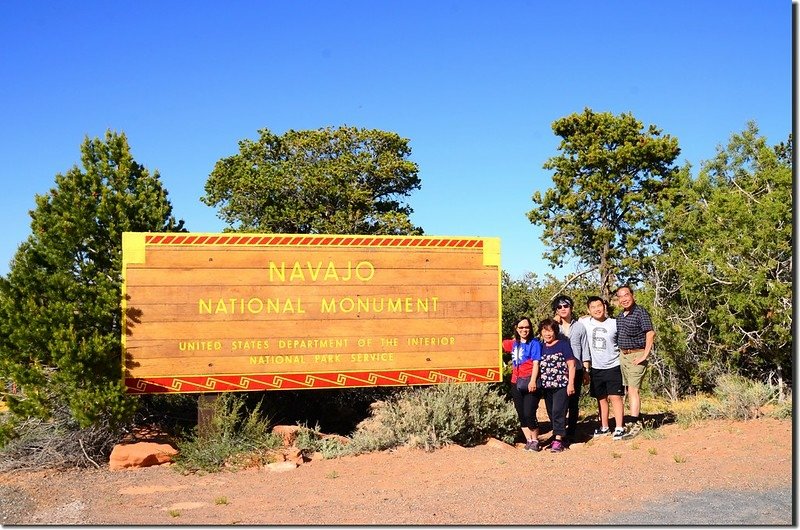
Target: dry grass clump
[57, 443]
[734, 398]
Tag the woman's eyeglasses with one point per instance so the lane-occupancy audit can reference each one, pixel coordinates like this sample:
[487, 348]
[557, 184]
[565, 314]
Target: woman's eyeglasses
[523, 327]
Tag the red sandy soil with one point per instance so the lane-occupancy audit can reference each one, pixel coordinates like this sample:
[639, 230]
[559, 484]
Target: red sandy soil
[487, 484]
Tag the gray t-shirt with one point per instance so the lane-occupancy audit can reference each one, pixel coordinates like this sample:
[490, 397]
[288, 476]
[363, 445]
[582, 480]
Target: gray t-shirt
[578, 341]
[602, 338]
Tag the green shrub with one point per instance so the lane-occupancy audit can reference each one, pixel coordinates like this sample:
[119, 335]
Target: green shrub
[735, 398]
[334, 448]
[782, 410]
[308, 440]
[311, 441]
[431, 417]
[741, 398]
[235, 437]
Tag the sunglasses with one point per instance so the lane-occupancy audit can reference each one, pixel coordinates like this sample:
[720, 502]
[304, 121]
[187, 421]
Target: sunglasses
[562, 306]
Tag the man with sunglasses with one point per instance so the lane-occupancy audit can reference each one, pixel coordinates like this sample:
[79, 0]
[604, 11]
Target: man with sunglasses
[575, 333]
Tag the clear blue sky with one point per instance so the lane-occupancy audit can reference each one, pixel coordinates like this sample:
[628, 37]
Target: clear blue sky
[474, 86]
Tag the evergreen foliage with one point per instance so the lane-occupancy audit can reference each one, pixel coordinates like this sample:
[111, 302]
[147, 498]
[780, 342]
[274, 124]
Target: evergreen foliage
[532, 296]
[60, 315]
[342, 181]
[607, 181]
[725, 272]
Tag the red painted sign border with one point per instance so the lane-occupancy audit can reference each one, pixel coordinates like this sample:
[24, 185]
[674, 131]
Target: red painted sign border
[227, 383]
[325, 241]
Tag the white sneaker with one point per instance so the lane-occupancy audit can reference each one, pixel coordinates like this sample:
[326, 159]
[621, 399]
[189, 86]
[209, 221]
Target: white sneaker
[619, 432]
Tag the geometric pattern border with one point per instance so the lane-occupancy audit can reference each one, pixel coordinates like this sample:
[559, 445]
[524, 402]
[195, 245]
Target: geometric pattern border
[252, 382]
[336, 241]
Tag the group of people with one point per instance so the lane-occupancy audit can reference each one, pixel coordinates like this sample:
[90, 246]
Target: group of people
[554, 361]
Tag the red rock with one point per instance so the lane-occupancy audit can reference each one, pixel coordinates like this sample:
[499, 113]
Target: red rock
[498, 444]
[281, 466]
[142, 454]
[344, 440]
[288, 432]
[293, 454]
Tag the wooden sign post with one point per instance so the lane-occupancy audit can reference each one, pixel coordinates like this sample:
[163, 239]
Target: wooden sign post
[242, 312]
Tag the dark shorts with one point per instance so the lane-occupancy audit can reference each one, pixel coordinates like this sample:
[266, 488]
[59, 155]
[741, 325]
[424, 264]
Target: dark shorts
[606, 382]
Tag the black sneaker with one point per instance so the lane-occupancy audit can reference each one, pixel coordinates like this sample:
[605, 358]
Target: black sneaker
[619, 432]
[601, 432]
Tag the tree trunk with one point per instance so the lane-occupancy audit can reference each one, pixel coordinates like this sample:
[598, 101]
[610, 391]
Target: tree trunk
[605, 290]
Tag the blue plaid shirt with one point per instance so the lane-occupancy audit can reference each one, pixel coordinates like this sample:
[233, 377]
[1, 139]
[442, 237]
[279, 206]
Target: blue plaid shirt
[632, 328]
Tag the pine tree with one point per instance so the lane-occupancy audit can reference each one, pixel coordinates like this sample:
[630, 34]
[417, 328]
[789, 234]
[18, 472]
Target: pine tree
[340, 180]
[610, 173]
[60, 311]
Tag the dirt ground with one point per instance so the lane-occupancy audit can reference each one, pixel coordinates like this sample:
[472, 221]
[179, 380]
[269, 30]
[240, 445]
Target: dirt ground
[591, 483]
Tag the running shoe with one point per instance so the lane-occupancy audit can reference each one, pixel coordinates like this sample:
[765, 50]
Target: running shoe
[557, 446]
[635, 429]
[601, 432]
[619, 432]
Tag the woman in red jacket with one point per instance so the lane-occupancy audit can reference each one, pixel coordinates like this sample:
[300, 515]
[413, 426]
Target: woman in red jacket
[525, 349]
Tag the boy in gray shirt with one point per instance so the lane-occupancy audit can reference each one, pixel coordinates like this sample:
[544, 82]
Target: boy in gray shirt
[605, 374]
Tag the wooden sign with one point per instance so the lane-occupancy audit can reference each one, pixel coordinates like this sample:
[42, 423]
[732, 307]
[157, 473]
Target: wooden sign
[239, 312]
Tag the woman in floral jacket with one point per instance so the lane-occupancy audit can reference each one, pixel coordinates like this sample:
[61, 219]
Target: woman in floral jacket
[555, 373]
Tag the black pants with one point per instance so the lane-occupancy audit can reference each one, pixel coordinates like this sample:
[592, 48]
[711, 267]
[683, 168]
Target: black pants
[574, 400]
[555, 399]
[526, 404]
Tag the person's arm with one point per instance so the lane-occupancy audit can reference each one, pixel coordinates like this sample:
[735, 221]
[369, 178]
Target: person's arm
[536, 356]
[649, 338]
[586, 355]
[571, 364]
[534, 377]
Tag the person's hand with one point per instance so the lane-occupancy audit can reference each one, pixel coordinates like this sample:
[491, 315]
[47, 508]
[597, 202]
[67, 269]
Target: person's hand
[571, 389]
[532, 386]
[640, 360]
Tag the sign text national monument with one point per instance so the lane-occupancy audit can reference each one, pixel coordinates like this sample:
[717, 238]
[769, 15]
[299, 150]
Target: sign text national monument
[239, 312]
